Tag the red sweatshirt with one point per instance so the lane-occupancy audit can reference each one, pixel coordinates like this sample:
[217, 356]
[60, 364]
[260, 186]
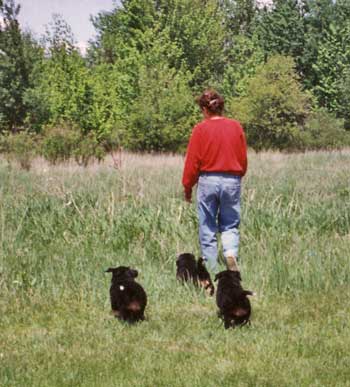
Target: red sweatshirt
[216, 145]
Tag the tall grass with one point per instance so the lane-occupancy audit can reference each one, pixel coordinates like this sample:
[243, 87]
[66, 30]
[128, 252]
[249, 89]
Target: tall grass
[62, 226]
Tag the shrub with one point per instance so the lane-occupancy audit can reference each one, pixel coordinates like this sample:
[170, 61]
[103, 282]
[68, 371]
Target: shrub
[58, 143]
[63, 142]
[274, 109]
[324, 131]
[88, 148]
[19, 147]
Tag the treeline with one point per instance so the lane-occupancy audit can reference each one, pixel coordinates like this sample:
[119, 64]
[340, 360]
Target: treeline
[284, 70]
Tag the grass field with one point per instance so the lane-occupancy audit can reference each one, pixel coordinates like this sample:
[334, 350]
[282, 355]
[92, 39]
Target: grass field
[62, 226]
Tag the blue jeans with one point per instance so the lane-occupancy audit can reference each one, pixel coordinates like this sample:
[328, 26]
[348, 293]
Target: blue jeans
[219, 207]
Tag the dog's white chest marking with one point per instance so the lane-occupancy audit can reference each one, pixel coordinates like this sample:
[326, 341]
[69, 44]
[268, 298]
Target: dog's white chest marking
[121, 287]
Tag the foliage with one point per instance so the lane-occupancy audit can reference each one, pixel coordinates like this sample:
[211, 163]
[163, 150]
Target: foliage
[344, 97]
[324, 131]
[243, 59]
[163, 113]
[167, 52]
[329, 69]
[200, 34]
[120, 32]
[193, 29]
[240, 16]
[280, 30]
[18, 54]
[87, 149]
[59, 143]
[63, 142]
[66, 89]
[275, 107]
[19, 147]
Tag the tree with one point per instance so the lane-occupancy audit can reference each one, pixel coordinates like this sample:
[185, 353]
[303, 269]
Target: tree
[242, 61]
[280, 29]
[275, 107]
[121, 30]
[343, 86]
[163, 113]
[240, 16]
[330, 67]
[63, 83]
[198, 29]
[14, 68]
[319, 16]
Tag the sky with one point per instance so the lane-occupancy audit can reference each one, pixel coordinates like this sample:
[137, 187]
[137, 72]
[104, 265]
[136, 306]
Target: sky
[36, 14]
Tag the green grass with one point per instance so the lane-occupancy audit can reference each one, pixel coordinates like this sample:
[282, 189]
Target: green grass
[61, 227]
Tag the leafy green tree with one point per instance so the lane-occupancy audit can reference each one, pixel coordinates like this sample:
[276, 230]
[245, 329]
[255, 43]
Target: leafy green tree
[319, 16]
[344, 97]
[329, 69]
[120, 31]
[242, 61]
[18, 54]
[240, 16]
[64, 82]
[281, 29]
[59, 38]
[274, 109]
[198, 28]
[163, 113]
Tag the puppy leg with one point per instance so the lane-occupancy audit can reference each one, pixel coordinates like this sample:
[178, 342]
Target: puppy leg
[228, 323]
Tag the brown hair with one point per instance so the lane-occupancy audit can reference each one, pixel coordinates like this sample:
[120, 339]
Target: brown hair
[212, 101]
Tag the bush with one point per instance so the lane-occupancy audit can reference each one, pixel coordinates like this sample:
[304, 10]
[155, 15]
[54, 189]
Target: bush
[324, 131]
[19, 147]
[163, 114]
[64, 142]
[274, 109]
[59, 143]
[88, 149]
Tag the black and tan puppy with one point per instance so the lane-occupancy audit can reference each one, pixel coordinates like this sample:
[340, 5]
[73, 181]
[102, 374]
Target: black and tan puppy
[186, 268]
[128, 298]
[190, 270]
[232, 300]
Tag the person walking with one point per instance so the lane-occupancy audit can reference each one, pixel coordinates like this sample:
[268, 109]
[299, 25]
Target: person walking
[216, 159]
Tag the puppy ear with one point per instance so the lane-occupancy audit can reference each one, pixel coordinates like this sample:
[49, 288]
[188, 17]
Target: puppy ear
[109, 270]
[134, 273]
[248, 293]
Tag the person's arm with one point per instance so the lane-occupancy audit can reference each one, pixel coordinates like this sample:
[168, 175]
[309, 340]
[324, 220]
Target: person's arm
[192, 164]
[244, 153]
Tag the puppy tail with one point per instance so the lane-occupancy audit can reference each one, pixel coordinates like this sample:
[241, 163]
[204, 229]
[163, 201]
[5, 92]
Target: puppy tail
[249, 293]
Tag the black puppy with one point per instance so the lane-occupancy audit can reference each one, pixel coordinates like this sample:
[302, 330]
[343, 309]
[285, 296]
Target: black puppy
[128, 298]
[188, 269]
[231, 299]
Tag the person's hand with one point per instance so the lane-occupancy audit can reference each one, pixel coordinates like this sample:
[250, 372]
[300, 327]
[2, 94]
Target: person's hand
[188, 197]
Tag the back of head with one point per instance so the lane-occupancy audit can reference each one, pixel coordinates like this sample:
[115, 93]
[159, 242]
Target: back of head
[186, 259]
[212, 101]
[122, 273]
